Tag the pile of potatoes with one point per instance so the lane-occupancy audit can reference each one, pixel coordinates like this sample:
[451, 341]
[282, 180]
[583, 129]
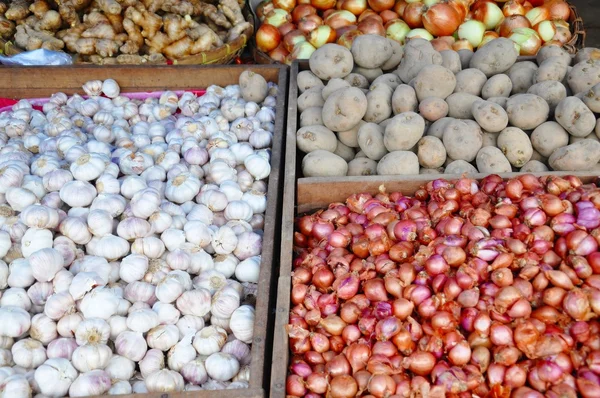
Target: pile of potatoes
[380, 108]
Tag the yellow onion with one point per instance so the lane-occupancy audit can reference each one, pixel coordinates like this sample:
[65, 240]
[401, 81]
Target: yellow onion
[441, 20]
[472, 31]
[443, 43]
[371, 26]
[302, 50]
[546, 30]
[292, 38]
[287, 5]
[397, 29]
[279, 54]
[388, 15]
[264, 8]
[381, 5]
[356, 7]
[462, 44]
[278, 17]
[309, 23]
[514, 7]
[559, 9]
[267, 37]
[419, 33]
[413, 14]
[321, 36]
[488, 13]
[512, 22]
[400, 6]
[323, 4]
[301, 11]
[429, 3]
[339, 32]
[487, 37]
[339, 19]
[528, 39]
[347, 38]
[537, 15]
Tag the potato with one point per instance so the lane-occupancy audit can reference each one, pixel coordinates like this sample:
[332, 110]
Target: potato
[253, 86]
[344, 109]
[497, 86]
[575, 117]
[490, 116]
[312, 138]
[581, 156]
[451, 60]
[370, 141]
[591, 98]
[418, 53]
[587, 53]
[433, 108]
[553, 51]
[390, 79]
[385, 123]
[322, 163]
[462, 140]
[357, 80]
[434, 81]
[497, 56]
[394, 60]
[311, 116]
[360, 155]
[470, 81]
[538, 156]
[362, 167]
[439, 170]
[515, 145]
[460, 104]
[370, 74]
[371, 51]
[379, 104]
[350, 137]
[522, 74]
[460, 167]
[465, 58]
[398, 163]
[534, 166]
[404, 99]
[331, 61]
[307, 80]
[403, 132]
[553, 68]
[309, 98]
[592, 136]
[343, 151]
[552, 92]
[437, 128]
[547, 137]
[491, 160]
[584, 76]
[502, 101]
[431, 152]
[527, 111]
[332, 86]
[489, 139]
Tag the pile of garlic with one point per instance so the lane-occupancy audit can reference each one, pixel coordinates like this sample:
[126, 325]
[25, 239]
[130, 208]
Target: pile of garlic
[130, 240]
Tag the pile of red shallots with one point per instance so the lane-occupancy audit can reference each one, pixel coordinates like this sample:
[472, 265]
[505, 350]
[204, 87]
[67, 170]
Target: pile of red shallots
[467, 289]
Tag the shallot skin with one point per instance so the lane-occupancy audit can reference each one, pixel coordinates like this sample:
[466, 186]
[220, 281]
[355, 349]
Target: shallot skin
[500, 298]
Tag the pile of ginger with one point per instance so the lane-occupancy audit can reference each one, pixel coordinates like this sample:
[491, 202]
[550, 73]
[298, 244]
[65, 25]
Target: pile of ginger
[122, 31]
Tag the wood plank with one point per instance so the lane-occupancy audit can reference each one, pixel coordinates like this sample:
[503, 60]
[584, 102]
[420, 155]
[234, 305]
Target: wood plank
[280, 340]
[32, 82]
[39, 82]
[317, 193]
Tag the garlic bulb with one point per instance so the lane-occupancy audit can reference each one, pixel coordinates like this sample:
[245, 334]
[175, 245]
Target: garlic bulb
[131, 345]
[43, 329]
[153, 361]
[14, 321]
[181, 353]
[210, 340]
[120, 368]
[55, 376]
[28, 353]
[194, 302]
[163, 337]
[95, 382]
[92, 331]
[142, 320]
[165, 381]
[35, 239]
[63, 347]
[110, 88]
[20, 274]
[224, 240]
[99, 303]
[45, 263]
[91, 356]
[221, 366]
[242, 323]
[239, 350]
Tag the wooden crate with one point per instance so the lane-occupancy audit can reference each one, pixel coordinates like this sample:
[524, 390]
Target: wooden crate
[302, 195]
[39, 82]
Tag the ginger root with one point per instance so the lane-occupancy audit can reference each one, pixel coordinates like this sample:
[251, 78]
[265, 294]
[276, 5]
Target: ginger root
[7, 28]
[158, 43]
[175, 26]
[236, 31]
[100, 31]
[30, 39]
[116, 20]
[149, 21]
[50, 22]
[109, 6]
[130, 59]
[231, 9]
[39, 8]
[179, 49]
[211, 12]
[135, 40]
[106, 48]
[86, 46]
[18, 9]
